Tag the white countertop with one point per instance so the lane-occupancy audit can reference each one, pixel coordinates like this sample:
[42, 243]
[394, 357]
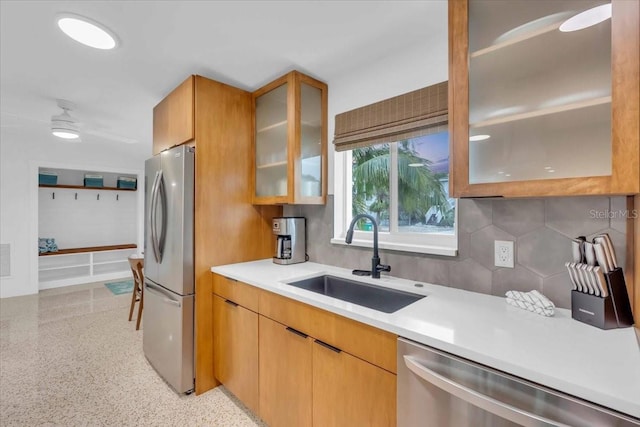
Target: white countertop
[596, 365]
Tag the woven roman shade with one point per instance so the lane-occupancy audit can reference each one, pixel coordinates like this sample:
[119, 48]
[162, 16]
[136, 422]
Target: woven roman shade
[412, 114]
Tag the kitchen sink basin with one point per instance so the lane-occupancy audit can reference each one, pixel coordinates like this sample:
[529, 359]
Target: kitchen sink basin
[371, 296]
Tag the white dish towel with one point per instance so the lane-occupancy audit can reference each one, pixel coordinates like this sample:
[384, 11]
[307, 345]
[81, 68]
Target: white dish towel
[532, 301]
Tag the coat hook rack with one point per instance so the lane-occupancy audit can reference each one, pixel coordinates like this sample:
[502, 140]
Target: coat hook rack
[53, 195]
[76, 196]
[117, 197]
[98, 197]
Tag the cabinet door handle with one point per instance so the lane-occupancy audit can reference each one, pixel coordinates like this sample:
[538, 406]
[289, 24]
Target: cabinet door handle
[228, 301]
[328, 346]
[297, 332]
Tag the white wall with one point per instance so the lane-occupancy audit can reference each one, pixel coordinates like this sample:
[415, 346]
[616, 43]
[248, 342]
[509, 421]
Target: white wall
[22, 151]
[94, 218]
[421, 64]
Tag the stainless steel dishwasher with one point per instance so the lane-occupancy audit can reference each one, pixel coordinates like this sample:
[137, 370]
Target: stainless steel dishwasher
[438, 389]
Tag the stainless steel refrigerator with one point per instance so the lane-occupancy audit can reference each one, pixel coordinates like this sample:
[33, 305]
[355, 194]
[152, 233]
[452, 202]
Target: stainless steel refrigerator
[168, 266]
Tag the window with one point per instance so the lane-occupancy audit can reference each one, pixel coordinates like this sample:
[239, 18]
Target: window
[401, 179]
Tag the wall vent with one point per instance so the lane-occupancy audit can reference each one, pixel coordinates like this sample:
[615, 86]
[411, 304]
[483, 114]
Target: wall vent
[5, 260]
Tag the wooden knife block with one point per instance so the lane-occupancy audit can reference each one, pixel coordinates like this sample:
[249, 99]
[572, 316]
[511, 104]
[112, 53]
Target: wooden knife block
[611, 312]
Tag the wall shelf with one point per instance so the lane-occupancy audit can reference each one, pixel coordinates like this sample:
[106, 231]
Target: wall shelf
[82, 187]
[272, 165]
[542, 112]
[516, 39]
[84, 265]
[91, 249]
[273, 126]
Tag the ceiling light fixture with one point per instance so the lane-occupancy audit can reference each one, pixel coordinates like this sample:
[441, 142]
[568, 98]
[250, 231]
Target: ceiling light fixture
[587, 18]
[87, 31]
[63, 125]
[415, 165]
[479, 138]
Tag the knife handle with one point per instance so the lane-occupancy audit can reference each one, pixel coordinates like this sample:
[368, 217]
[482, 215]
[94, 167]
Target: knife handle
[577, 250]
[602, 281]
[589, 254]
[601, 257]
[571, 277]
[609, 249]
[578, 277]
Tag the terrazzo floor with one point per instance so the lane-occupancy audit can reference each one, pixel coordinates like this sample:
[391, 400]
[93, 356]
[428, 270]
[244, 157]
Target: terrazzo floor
[69, 357]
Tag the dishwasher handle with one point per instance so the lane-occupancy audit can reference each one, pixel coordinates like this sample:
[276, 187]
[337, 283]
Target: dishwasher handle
[478, 399]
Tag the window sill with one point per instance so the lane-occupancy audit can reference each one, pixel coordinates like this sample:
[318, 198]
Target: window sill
[402, 247]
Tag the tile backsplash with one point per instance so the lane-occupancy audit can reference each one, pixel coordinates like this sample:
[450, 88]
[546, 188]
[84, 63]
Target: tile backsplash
[541, 229]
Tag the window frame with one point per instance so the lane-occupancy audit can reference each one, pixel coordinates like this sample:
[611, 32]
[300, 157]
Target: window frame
[424, 243]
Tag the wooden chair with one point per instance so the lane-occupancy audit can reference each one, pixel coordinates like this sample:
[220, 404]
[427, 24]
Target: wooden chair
[137, 268]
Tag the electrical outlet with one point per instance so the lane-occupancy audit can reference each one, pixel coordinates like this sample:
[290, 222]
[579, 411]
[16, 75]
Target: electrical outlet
[503, 253]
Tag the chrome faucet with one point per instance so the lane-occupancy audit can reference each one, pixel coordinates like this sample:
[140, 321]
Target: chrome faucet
[376, 267]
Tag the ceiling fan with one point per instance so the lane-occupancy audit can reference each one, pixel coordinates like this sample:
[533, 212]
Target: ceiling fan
[64, 125]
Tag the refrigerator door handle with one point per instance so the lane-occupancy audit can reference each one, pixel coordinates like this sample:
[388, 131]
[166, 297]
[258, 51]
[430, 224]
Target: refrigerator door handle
[165, 297]
[153, 218]
[478, 399]
[162, 197]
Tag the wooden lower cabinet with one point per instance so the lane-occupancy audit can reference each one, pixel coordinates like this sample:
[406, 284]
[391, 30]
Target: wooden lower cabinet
[285, 375]
[348, 391]
[235, 349]
[289, 378]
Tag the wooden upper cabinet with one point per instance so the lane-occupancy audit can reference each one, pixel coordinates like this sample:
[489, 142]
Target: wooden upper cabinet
[290, 141]
[535, 111]
[173, 117]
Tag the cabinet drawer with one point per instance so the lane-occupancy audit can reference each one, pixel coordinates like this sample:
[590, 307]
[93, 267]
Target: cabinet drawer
[370, 399]
[238, 292]
[366, 342]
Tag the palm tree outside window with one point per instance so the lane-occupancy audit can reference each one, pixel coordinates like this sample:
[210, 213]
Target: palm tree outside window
[404, 185]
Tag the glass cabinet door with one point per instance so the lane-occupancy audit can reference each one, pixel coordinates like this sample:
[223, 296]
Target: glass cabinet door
[290, 141]
[310, 140]
[271, 143]
[539, 98]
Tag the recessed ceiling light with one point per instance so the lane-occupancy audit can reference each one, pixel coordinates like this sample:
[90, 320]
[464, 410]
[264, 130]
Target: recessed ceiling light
[500, 173]
[587, 18]
[547, 167]
[479, 138]
[551, 171]
[87, 31]
[507, 174]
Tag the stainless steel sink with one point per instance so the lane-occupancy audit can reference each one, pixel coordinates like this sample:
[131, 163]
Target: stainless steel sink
[371, 296]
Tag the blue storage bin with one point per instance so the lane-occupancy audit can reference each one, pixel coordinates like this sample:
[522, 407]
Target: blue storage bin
[45, 178]
[91, 180]
[127, 182]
